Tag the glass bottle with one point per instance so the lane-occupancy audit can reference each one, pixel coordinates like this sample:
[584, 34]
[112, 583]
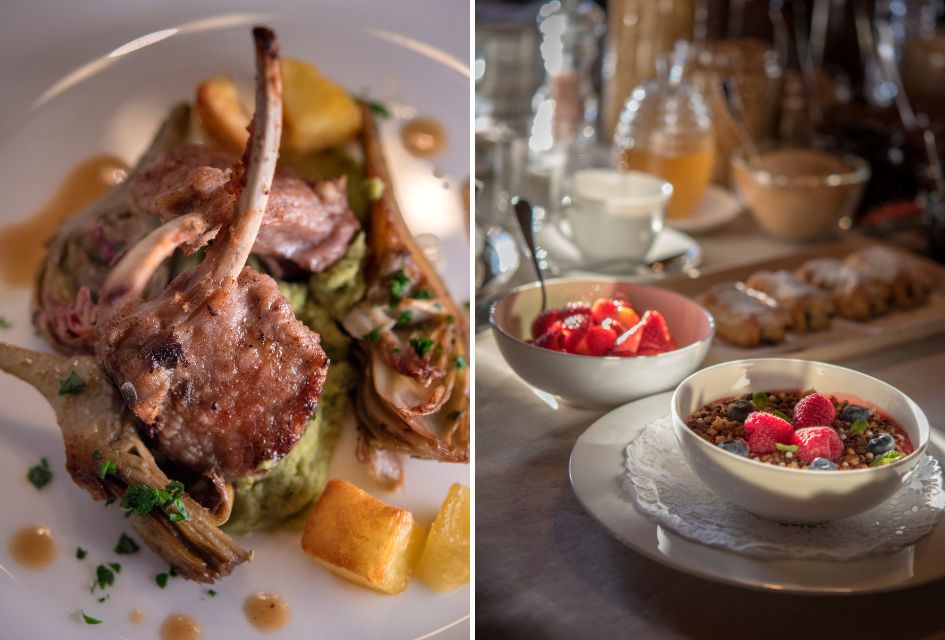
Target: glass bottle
[665, 129]
[565, 106]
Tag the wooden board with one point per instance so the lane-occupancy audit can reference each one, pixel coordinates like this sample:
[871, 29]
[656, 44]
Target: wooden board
[844, 338]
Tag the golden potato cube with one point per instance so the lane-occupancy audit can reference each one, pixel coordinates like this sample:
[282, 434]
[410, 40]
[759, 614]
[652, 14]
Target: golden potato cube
[444, 564]
[317, 113]
[222, 115]
[362, 539]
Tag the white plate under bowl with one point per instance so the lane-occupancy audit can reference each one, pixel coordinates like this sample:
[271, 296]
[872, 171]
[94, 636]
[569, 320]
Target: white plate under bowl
[389, 51]
[597, 472]
[715, 209]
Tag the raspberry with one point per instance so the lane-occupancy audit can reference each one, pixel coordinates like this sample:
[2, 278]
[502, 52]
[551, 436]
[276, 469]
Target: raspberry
[600, 340]
[765, 430]
[814, 410]
[817, 442]
[602, 308]
[656, 338]
[543, 322]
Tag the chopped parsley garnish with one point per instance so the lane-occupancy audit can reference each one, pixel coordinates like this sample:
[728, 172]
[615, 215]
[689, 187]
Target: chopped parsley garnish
[404, 318]
[4, 323]
[89, 619]
[140, 499]
[421, 345]
[104, 577]
[71, 385]
[785, 447]
[379, 109]
[450, 319]
[106, 467]
[466, 305]
[115, 567]
[161, 579]
[126, 546]
[40, 475]
[454, 415]
[80, 553]
[211, 592]
[171, 571]
[373, 189]
[886, 458]
[398, 287]
[461, 362]
[859, 426]
[422, 294]
[760, 400]
[373, 336]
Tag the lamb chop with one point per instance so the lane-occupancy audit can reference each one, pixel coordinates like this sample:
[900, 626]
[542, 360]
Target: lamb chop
[96, 428]
[412, 343]
[307, 226]
[217, 367]
[85, 248]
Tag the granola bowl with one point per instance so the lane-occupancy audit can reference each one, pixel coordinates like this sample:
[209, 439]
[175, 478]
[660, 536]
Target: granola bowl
[794, 495]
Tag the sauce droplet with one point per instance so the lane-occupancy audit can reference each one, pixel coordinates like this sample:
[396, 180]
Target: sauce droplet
[424, 137]
[266, 611]
[33, 546]
[22, 244]
[136, 616]
[178, 626]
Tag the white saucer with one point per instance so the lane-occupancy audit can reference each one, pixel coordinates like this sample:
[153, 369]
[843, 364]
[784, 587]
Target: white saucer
[597, 472]
[716, 208]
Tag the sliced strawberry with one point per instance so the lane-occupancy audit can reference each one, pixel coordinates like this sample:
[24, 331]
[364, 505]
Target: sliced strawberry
[629, 341]
[576, 322]
[656, 338]
[577, 307]
[625, 316]
[602, 308]
[599, 340]
[543, 322]
[571, 340]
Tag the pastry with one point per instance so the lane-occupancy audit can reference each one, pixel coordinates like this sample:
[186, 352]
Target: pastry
[909, 283]
[856, 295]
[744, 317]
[808, 308]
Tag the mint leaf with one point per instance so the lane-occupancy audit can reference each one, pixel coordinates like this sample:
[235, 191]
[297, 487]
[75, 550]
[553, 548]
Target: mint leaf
[780, 414]
[760, 400]
[859, 427]
[886, 458]
[785, 447]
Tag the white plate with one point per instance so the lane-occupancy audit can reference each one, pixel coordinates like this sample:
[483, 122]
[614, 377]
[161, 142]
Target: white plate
[597, 472]
[115, 106]
[717, 207]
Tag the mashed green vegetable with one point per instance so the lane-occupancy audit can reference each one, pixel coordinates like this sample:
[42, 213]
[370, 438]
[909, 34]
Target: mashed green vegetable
[283, 495]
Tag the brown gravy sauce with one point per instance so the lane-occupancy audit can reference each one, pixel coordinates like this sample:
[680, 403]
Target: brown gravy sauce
[22, 244]
[266, 611]
[424, 137]
[178, 626]
[33, 547]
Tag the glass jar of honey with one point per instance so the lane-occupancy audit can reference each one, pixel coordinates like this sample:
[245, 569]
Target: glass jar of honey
[665, 129]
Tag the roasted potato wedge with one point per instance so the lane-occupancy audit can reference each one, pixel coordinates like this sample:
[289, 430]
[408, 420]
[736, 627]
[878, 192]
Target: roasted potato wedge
[222, 115]
[362, 539]
[444, 565]
[318, 113]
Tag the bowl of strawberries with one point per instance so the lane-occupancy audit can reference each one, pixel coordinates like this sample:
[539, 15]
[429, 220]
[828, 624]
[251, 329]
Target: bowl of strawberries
[601, 343]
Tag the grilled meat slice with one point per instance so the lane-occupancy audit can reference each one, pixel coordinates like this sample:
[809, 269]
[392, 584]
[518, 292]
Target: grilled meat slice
[86, 246]
[217, 366]
[308, 225]
[96, 427]
[412, 342]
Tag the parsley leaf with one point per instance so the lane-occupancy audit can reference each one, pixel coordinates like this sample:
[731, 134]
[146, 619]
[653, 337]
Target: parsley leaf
[140, 499]
[40, 475]
[106, 467]
[211, 592]
[104, 577]
[422, 294]
[373, 336]
[379, 109]
[461, 362]
[71, 385]
[421, 345]
[161, 579]
[126, 546]
[404, 318]
[89, 619]
[80, 553]
[398, 287]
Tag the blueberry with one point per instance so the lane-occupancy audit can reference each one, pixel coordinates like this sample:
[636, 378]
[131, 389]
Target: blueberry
[737, 447]
[822, 464]
[739, 410]
[853, 412]
[881, 444]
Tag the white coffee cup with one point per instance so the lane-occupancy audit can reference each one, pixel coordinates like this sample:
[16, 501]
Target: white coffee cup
[616, 215]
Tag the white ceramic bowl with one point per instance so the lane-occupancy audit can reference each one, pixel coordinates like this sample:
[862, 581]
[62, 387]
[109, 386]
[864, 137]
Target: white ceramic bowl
[600, 381]
[780, 493]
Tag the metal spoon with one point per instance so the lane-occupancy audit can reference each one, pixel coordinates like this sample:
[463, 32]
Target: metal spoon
[526, 220]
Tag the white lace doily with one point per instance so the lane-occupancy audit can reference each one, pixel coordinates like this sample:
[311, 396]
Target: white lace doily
[665, 488]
